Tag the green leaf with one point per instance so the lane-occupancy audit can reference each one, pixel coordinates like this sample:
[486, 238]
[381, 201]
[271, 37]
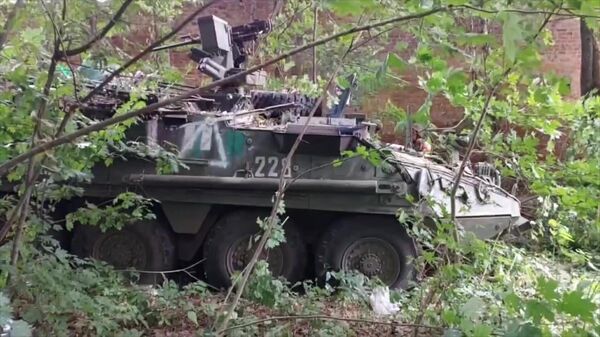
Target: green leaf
[435, 83]
[457, 90]
[538, 310]
[575, 4]
[564, 86]
[450, 317]
[288, 65]
[523, 330]
[396, 62]
[529, 56]
[512, 301]
[547, 288]
[402, 217]
[475, 39]
[575, 304]
[350, 7]
[421, 117]
[34, 36]
[512, 34]
[191, 315]
[482, 330]
[424, 55]
[473, 307]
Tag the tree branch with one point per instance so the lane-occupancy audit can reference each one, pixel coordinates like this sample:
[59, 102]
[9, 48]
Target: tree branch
[475, 132]
[113, 21]
[526, 12]
[32, 170]
[6, 166]
[326, 317]
[278, 199]
[314, 38]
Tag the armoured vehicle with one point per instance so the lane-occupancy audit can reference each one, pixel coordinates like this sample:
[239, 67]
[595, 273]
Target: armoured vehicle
[341, 211]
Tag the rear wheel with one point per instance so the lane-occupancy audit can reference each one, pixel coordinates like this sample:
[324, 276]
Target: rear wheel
[230, 247]
[144, 246]
[376, 246]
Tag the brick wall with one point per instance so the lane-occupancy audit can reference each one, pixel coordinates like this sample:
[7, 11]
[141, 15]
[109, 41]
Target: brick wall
[564, 58]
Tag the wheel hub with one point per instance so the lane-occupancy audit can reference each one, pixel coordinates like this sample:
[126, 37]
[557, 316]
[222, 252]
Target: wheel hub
[373, 257]
[121, 249]
[370, 264]
[240, 253]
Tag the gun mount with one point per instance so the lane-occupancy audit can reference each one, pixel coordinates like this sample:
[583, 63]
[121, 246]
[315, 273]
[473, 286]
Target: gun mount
[224, 49]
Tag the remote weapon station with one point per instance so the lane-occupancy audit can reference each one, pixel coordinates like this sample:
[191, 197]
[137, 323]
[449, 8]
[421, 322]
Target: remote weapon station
[234, 141]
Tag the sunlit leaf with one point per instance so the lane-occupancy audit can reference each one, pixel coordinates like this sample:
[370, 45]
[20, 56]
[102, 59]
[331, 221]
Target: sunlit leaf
[576, 304]
[511, 34]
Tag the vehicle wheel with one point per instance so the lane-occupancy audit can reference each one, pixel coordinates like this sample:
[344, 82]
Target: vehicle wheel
[144, 245]
[265, 99]
[373, 245]
[227, 249]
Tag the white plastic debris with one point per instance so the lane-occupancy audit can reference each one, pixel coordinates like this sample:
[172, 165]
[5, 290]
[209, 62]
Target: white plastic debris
[380, 302]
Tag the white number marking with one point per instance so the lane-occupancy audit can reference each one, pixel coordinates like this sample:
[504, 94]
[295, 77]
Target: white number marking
[272, 164]
[273, 161]
[260, 160]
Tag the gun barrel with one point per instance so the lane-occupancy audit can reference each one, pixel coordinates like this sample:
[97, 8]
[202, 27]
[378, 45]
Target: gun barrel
[178, 44]
[250, 31]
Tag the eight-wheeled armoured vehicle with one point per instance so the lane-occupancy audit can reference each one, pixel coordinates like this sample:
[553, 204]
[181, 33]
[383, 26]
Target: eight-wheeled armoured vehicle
[340, 209]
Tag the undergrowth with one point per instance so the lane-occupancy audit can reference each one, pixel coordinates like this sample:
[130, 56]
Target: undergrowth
[496, 289]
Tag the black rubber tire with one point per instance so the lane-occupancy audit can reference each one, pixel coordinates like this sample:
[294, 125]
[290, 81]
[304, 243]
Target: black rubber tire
[343, 232]
[264, 99]
[156, 240]
[242, 224]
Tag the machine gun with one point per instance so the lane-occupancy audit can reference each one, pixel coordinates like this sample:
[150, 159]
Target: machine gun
[224, 49]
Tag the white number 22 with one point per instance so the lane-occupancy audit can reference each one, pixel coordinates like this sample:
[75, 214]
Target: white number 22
[270, 165]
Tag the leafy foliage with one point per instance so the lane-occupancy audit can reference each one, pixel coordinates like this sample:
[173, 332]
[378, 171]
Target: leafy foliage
[479, 288]
[125, 209]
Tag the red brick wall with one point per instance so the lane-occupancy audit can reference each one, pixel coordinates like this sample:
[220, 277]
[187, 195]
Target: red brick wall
[563, 58]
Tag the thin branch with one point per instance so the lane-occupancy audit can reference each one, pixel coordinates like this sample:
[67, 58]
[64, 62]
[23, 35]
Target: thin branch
[297, 14]
[459, 126]
[475, 132]
[314, 38]
[32, 170]
[371, 38]
[60, 41]
[6, 166]
[526, 12]
[10, 22]
[64, 11]
[173, 271]
[470, 147]
[328, 318]
[278, 199]
[113, 21]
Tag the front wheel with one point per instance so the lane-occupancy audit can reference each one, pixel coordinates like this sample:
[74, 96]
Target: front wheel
[144, 246]
[230, 246]
[376, 246]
